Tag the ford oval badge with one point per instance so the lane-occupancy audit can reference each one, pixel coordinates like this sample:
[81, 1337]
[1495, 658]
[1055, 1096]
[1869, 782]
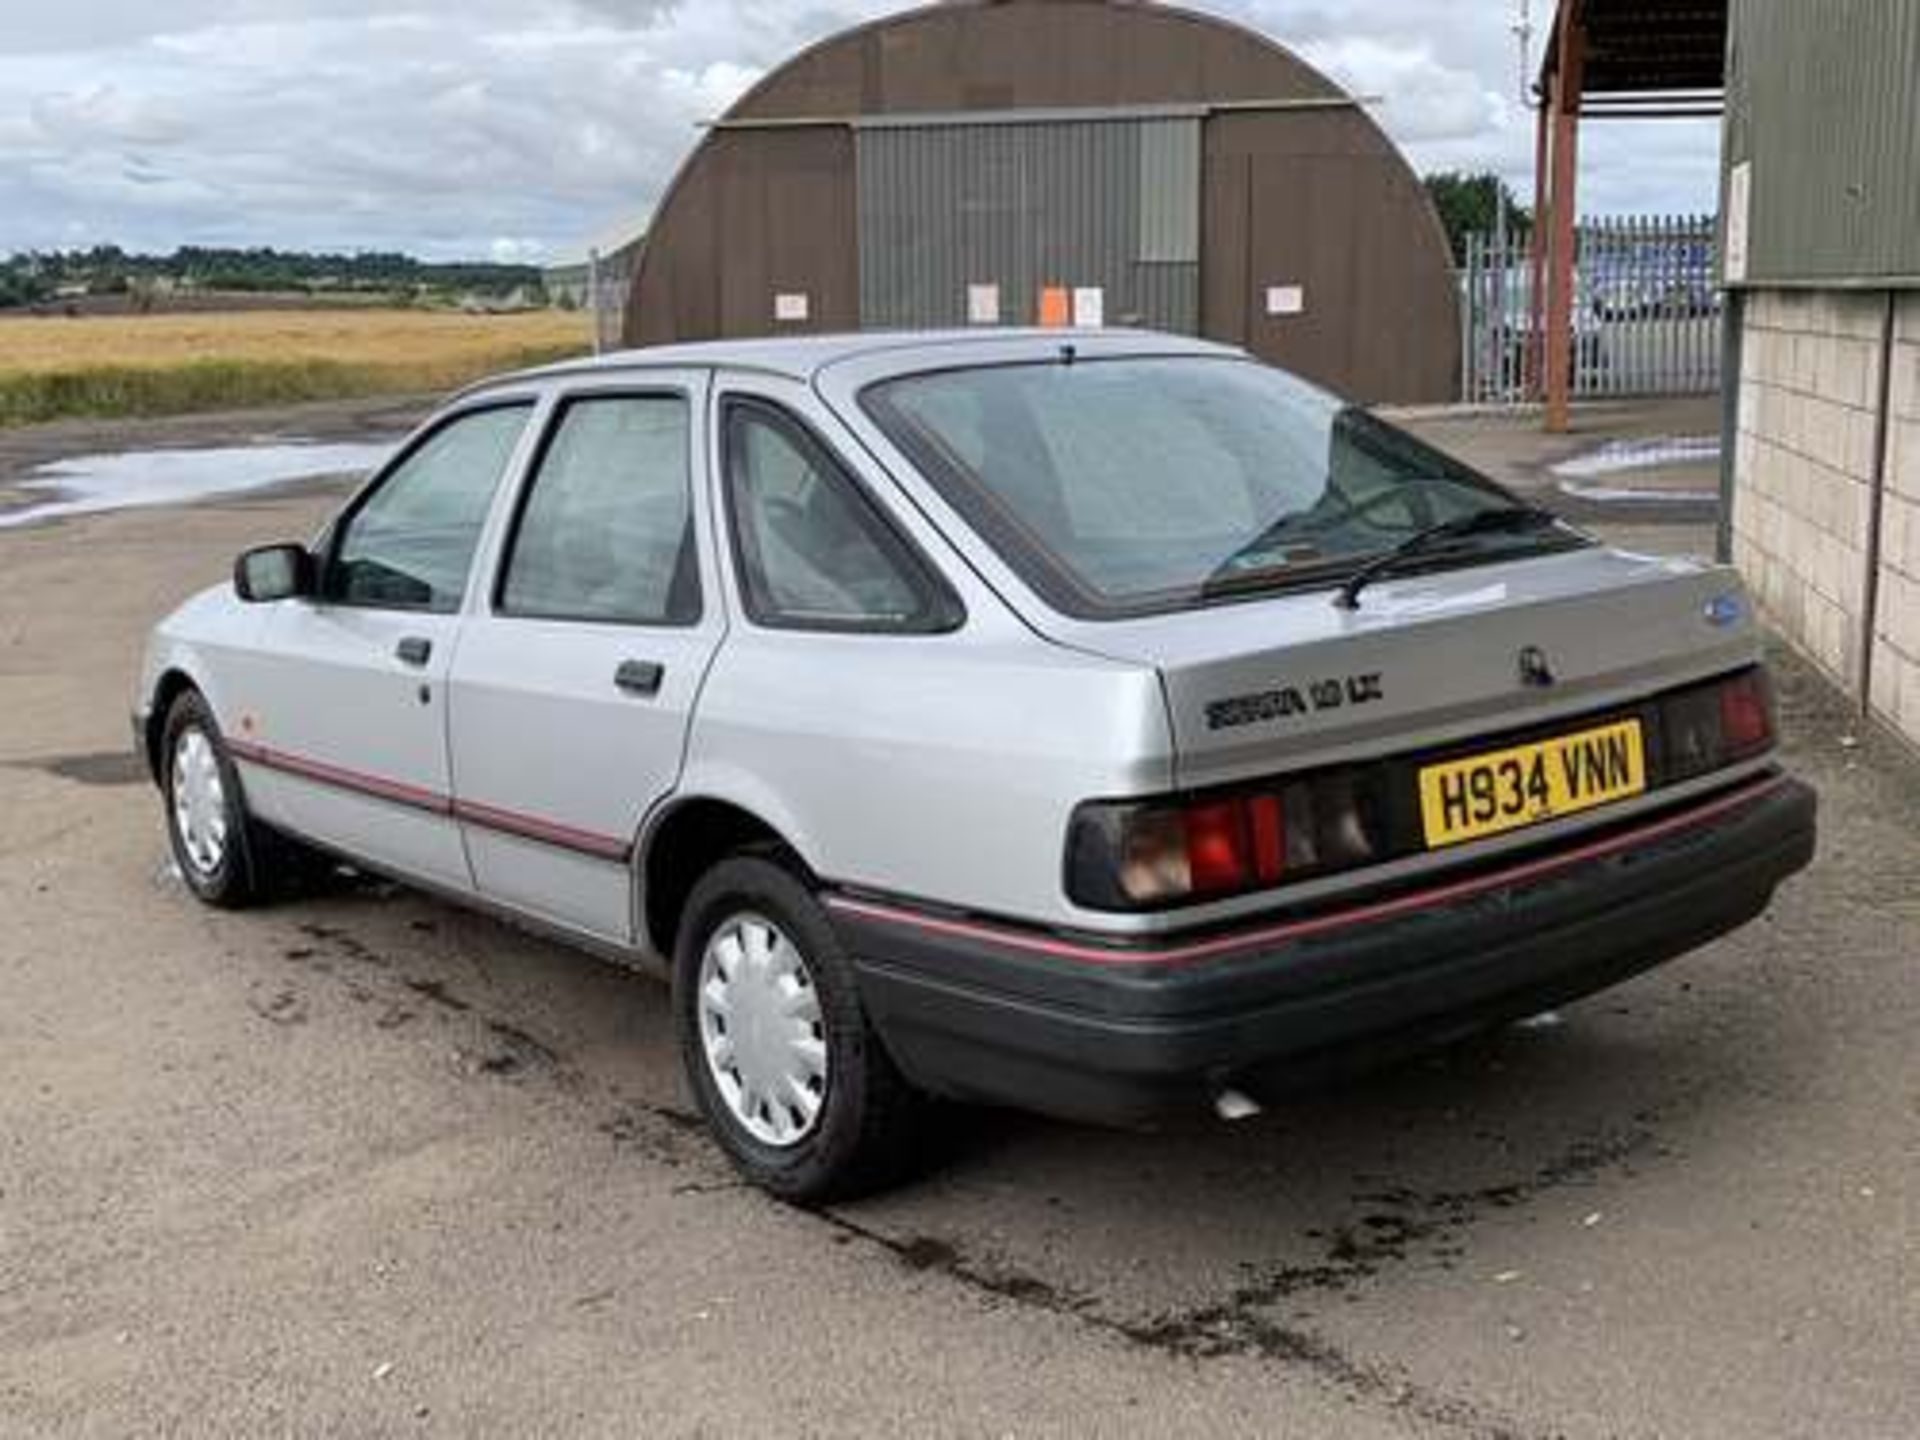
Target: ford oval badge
[1726, 611]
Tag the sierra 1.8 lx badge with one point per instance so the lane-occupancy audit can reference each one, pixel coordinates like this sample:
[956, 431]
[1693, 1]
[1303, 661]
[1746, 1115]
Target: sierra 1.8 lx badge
[1289, 701]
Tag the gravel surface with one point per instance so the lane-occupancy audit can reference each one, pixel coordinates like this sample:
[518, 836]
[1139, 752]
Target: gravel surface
[366, 1164]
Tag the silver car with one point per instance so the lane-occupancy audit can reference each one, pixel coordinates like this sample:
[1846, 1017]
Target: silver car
[1097, 723]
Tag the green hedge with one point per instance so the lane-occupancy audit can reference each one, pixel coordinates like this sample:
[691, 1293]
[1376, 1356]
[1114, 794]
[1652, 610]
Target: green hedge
[118, 392]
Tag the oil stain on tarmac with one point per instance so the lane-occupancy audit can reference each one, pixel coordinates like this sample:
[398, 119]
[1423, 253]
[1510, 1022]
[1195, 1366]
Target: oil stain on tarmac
[107, 768]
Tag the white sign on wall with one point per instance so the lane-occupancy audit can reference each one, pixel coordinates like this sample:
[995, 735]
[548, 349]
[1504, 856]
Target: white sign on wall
[1090, 307]
[1739, 221]
[983, 304]
[1286, 300]
[792, 309]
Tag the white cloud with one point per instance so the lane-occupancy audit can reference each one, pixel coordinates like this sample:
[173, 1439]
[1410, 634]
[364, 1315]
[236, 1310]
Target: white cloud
[1422, 101]
[442, 126]
[506, 250]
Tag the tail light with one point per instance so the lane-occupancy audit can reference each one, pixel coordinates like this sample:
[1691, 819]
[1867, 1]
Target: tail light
[1746, 716]
[1151, 855]
[1716, 725]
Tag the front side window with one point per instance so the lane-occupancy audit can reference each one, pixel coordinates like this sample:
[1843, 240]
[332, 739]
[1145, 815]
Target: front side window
[607, 530]
[410, 544]
[813, 553]
[1127, 486]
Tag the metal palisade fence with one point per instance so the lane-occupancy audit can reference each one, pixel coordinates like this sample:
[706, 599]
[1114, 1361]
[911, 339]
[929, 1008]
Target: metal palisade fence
[610, 313]
[1646, 313]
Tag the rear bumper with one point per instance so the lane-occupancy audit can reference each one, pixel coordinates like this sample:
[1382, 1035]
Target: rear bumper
[1105, 1032]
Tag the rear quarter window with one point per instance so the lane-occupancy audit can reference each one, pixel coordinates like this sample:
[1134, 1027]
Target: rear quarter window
[812, 549]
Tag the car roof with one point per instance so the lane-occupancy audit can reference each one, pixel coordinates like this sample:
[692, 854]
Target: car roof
[802, 357]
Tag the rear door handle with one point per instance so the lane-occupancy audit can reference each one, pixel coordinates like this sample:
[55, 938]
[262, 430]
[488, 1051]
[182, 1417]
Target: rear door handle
[640, 677]
[414, 650]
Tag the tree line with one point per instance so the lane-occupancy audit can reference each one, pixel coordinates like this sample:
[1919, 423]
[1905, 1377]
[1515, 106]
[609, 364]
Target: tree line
[37, 276]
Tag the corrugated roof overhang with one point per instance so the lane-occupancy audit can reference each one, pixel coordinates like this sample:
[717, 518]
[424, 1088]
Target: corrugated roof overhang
[1656, 57]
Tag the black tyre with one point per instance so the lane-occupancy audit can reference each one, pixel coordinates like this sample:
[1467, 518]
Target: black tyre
[791, 1077]
[218, 849]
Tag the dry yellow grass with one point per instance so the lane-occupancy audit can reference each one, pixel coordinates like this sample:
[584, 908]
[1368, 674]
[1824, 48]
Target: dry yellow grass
[160, 364]
[354, 337]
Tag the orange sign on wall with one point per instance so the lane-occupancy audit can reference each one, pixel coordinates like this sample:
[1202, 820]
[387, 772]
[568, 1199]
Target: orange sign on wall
[1056, 307]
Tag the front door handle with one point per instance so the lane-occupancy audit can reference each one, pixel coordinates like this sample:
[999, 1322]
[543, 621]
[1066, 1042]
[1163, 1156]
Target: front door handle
[414, 650]
[640, 677]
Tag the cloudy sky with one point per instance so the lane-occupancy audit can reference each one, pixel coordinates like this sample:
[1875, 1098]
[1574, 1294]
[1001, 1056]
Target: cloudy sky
[518, 128]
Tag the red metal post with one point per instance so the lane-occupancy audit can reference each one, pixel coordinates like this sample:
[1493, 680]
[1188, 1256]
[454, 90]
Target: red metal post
[1537, 246]
[1566, 98]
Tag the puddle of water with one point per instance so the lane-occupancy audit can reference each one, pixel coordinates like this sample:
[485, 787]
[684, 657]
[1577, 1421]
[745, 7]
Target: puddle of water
[91, 484]
[1624, 455]
[1584, 476]
[1615, 495]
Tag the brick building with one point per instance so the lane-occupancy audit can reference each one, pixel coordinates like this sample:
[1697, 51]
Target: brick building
[1822, 206]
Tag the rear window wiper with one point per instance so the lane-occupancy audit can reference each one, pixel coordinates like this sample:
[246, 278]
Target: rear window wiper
[1508, 520]
[1312, 569]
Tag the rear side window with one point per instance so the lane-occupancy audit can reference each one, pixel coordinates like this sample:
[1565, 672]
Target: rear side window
[606, 532]
[410, 544]
[813, 551]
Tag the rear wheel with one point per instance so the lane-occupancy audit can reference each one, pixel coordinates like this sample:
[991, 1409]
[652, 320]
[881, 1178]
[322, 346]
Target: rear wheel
[789, 1073]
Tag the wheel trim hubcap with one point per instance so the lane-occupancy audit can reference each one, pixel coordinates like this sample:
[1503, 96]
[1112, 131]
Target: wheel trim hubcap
[199, 802]
[761, 1030]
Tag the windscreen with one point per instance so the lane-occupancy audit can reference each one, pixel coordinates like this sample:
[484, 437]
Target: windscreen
[1132, 485]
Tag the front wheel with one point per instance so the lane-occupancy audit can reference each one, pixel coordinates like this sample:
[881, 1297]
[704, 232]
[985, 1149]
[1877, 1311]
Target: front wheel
[791, 1077]
[206, 817]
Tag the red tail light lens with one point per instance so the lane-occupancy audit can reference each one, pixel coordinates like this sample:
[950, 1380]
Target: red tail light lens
[1219, 847]
[1269, 823]
[1746, 715]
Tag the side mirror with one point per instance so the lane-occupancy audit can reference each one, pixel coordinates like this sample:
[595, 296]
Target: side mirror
[274, 572]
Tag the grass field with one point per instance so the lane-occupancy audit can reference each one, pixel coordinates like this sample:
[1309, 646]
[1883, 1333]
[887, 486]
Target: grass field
[55, 368]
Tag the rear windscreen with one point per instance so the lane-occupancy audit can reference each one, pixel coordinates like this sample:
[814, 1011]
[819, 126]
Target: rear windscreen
[1132, 485]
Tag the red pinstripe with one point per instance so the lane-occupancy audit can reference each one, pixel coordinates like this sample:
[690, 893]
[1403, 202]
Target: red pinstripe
[410, 796]
[487, 817]
[547, 832]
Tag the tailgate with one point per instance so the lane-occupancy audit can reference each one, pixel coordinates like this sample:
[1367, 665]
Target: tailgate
[1292, 682]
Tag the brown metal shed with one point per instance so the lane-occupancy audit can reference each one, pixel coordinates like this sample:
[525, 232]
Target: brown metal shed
[985, 161]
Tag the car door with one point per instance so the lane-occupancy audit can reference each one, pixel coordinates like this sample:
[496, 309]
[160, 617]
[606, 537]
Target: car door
[343, 716]
[575, 681]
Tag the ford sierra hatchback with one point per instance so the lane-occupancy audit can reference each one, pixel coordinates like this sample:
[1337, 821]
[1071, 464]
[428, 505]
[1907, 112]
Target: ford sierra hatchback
[1104, 724]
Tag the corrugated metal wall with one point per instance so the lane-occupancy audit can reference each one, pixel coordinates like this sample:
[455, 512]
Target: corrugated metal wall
[1824, 101]
[1107, 204]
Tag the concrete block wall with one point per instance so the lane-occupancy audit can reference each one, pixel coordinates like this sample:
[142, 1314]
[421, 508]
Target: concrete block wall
[1803, 501]
[1896, 654]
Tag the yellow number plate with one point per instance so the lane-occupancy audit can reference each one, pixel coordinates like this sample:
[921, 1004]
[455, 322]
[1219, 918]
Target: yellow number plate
[1511, 789]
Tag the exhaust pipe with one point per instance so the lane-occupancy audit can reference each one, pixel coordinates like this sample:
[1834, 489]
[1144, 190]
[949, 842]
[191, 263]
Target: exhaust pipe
[1231, 1105]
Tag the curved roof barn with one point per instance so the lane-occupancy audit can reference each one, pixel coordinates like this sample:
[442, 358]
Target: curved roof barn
[1060, 162]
